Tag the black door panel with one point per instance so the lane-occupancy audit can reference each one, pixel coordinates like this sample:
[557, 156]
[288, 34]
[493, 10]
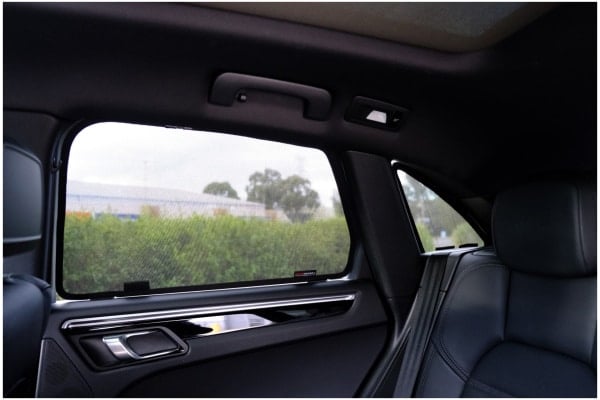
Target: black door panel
[328, 366]
[321, 340]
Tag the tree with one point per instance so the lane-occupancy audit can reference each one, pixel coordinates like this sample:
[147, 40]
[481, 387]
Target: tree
[298, 200]
[417, 196]
[442, 216]
[425, 236]
[265, 187]
[293, 194]
[222, 189]
[338, 209]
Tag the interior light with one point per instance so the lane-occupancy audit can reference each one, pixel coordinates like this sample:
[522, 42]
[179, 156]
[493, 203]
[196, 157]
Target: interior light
[377, 116]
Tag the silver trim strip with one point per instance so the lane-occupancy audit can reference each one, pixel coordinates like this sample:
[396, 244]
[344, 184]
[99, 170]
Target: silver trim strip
[22, 239]
[39, 371]
[204, 321]
[110, 320]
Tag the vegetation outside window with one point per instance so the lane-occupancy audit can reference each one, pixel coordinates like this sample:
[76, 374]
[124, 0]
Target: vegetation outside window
[177, 208]
[437, 223]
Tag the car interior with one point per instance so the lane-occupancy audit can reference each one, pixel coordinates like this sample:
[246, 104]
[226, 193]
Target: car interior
[266, 285]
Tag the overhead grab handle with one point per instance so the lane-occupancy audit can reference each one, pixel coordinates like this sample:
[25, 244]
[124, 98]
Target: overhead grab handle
[230, 86]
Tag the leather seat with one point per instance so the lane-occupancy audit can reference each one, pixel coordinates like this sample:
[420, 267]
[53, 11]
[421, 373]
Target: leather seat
[520, 321]
[26, 305]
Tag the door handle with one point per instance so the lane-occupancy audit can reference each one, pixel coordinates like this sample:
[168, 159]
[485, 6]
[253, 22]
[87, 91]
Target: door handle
[141, 345]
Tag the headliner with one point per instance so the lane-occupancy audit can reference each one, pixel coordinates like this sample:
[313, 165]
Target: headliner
[455, 27]
[477, 122]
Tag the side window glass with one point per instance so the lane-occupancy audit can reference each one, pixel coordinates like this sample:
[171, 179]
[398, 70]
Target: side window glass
[160, 208]
[437, 223]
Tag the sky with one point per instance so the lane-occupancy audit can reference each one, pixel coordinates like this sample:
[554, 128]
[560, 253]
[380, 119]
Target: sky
[139, 155]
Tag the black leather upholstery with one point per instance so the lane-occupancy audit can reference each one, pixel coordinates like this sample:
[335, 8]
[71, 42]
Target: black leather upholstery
[516, 324]
[26, 304]
[547, 228]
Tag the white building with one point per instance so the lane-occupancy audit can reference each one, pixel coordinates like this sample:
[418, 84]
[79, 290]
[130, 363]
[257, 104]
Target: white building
[128, 202]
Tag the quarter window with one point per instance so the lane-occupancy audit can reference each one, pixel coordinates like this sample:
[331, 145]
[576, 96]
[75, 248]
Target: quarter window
[438, 224]
[150, 207]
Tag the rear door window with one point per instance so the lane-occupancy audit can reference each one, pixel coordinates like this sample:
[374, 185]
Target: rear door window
[158, 208]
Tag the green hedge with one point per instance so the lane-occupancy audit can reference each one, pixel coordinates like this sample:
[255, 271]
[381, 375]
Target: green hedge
[425, 236]
[101, 254]
[464, 233]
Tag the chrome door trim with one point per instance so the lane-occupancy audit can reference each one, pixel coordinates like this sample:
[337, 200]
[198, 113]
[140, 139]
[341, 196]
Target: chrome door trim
[152, 316]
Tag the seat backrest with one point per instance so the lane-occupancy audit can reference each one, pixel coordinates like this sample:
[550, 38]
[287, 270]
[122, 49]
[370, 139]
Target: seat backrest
[26, 305]
[520, 320]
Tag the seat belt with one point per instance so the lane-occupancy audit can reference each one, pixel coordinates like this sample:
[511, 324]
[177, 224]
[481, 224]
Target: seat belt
[420, 323]
[437, 275]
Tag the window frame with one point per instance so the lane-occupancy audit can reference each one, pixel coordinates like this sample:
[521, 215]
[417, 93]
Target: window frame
[460, 209]
[62, 151]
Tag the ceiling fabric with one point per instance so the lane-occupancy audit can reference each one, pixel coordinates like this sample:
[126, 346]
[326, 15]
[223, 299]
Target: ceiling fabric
[452, 27]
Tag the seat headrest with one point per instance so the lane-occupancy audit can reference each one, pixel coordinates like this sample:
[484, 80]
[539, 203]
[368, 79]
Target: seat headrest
[547, 228]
